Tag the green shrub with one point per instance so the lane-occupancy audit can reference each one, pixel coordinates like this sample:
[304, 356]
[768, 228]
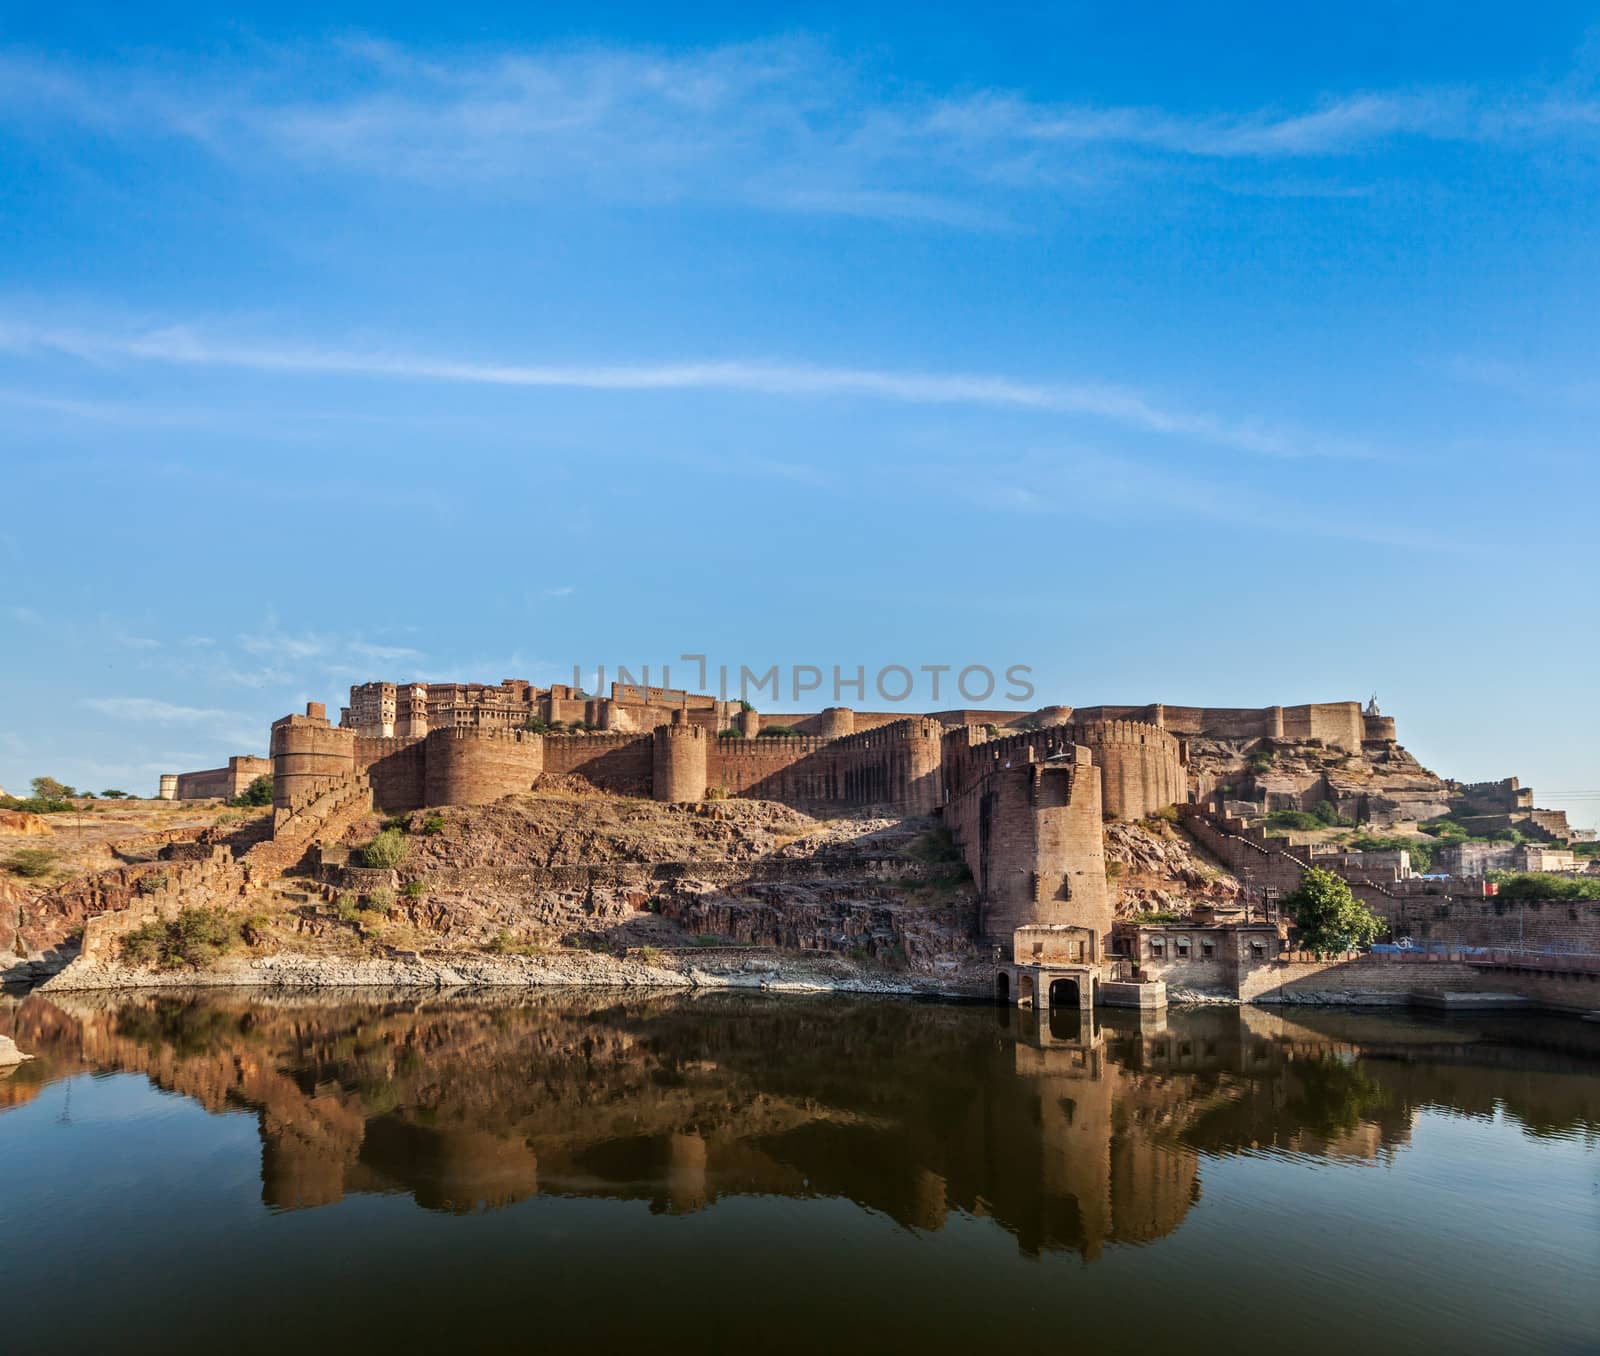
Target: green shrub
[387, 851]
[730, 733]
[347, 906]
[115, 795]
[48, 788]
[1113, 870]
[1328, 813]
[776, 731]
[1421, 852]
[150, 884]
[259, 792]
[1153, 916]
[380, 900]
[1541, 885]
[1168, 813]
[433, 824]
[1294, 819]
[415, 889]
[195, 938]
[31, 863]
[36, 805]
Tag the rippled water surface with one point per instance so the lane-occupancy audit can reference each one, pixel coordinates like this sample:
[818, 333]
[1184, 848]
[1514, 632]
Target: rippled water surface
[786, 1173]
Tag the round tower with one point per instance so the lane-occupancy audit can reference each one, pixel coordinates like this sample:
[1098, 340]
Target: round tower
[836, 722]
[678, 764]
[748, 723]
[307, 750]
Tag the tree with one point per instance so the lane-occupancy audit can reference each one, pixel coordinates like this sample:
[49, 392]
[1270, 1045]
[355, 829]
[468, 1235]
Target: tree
[114, 795]
[48, 788]
[1329, 917]
[259, 792]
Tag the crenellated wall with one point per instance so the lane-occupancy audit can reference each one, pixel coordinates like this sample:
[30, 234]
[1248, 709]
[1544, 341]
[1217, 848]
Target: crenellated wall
[1141, 765]
[472, 767]
[622, 764]
[1337, 724]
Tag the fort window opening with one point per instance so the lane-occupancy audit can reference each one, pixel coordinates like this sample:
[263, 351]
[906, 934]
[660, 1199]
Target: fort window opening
[1002, 987]
[1258, 950]
[1158, 948]
[1208, 948]
[1183, 947]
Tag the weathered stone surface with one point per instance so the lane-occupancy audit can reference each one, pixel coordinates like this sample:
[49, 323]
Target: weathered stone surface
[9, 1054]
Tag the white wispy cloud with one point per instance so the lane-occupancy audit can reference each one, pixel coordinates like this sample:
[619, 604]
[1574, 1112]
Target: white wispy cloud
[189, 346]
[149, 709]
[779, 124]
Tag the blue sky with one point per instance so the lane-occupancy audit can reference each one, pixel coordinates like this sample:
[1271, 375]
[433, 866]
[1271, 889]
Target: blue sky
[1229, 356]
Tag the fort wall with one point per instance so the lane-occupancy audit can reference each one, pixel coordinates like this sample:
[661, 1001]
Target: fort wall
[397, 769]
[470, 767]
[226, 782]
[1336, 724]
[622, 764]
[1142, 766]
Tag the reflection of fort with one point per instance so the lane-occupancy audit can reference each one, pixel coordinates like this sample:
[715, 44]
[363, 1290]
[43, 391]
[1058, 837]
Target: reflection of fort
[1067, 1131]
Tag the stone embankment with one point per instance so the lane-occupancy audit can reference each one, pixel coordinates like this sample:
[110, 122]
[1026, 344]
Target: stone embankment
[736, 968]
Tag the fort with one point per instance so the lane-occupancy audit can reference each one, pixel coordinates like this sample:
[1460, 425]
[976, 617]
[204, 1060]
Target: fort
[1023, 795]
[937, 839]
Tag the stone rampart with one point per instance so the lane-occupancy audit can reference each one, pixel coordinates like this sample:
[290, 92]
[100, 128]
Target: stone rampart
[622, 764]
[475, 767]
[221, 782]
[1141, 765]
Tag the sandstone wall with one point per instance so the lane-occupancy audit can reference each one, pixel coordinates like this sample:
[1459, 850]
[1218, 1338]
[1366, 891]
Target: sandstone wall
[471, 767]
[306, 752]
[1141, 766]
[224, 782]
[622, 764]
[397, 769]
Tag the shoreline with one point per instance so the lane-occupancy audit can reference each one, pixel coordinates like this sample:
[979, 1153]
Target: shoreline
[777, 973]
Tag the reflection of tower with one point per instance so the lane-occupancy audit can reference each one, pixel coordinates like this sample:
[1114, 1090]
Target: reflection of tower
[686, 1173]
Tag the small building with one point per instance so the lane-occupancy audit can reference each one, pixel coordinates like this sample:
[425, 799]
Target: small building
[1053, 965]
[1197, 955]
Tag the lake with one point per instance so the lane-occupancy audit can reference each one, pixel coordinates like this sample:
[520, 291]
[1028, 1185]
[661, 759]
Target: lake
[264, 1172]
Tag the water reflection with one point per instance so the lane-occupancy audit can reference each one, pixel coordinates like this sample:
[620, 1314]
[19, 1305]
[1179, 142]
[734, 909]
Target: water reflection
[1071, 1134]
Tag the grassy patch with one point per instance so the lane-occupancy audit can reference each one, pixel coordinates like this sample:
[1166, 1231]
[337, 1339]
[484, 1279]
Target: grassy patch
[31, 863]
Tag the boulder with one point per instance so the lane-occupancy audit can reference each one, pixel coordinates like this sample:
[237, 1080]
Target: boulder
[9, 1054]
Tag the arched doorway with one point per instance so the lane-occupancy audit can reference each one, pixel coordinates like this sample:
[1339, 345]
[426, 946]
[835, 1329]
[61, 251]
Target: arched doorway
[1002, 987]
[1025, 991]
[1064, 993]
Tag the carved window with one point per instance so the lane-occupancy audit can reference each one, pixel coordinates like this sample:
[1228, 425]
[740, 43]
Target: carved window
[1158, 948]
